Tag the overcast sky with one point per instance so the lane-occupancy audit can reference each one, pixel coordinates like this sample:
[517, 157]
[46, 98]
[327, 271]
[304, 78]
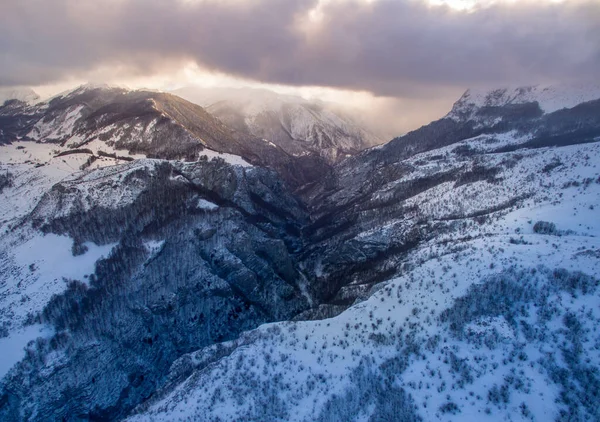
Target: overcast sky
[411, 57]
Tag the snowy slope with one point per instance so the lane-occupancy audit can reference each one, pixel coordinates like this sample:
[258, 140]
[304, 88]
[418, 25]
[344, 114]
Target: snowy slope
[550, 98]
[457, 267]
[125, 123]
[66, 231]
[488, 320]
[35, 168]
[295, 124]
[34, 266]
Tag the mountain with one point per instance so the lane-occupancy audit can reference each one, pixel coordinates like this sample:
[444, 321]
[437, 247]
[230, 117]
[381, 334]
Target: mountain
[450, 274]
[25, 95]
[155, 124]
[468, 256]
[126, 263]
[296, 125]
[367, 190]
[549, 98]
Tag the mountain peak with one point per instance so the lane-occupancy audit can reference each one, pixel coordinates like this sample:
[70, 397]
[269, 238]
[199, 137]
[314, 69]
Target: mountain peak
[23, 94]
[92, 86]
[208, 96]
[549, 97]
[299, 126]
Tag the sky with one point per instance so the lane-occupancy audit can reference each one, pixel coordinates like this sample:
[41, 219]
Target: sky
[402, 62]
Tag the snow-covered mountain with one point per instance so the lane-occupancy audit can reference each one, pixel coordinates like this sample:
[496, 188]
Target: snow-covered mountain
[450, 274]
[116, 272]
[479, 262]
[550, 98]
[23, 94]
[293, 123]
[155, 124]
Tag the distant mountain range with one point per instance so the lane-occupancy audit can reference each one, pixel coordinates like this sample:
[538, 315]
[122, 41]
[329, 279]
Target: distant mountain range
[156, 124]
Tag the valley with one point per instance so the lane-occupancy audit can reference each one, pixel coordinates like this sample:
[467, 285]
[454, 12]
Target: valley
[159, 262]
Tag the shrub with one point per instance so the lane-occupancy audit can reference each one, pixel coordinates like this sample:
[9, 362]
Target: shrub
[449, 407]
[545, 227]
[5, 181]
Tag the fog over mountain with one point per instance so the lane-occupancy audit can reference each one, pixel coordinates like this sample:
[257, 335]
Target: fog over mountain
[310, 210]
[370, 45]
[297, 125]
[423, 53]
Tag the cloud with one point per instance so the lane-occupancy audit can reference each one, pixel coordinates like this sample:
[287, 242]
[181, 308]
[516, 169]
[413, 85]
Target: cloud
[403, 48]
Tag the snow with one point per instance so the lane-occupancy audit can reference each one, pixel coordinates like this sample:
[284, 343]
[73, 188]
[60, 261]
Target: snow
[551, 98]
[102, 187]
[96, 146]
[486, 143]
[59, 128]
[489, 324]
[13, 346]
[306, 120]
[154, 246]
[52, 257]
[203, 204]
[35, 168]
[41, 263]
[232, 159]
[270, 143]
[33, 266]
[24, 94]
[304, 365]
[31, 272]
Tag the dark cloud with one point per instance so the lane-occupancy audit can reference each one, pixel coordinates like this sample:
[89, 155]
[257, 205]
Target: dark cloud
[391, 47]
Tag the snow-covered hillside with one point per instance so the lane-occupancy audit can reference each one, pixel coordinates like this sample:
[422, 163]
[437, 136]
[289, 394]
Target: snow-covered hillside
[473, 267]
[492, 318]
[67, 235]
[35, 265]
[293, 123]
[451, 274]
[123, 122]
[550, 98]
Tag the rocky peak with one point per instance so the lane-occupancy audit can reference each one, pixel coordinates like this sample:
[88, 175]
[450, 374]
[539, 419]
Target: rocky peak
[550, 98]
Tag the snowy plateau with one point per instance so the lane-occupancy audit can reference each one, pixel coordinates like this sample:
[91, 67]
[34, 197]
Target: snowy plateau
[451, 274]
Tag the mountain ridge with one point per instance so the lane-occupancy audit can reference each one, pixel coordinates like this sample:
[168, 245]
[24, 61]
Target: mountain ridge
[156, 124]
[297, 125]
[550, 98]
